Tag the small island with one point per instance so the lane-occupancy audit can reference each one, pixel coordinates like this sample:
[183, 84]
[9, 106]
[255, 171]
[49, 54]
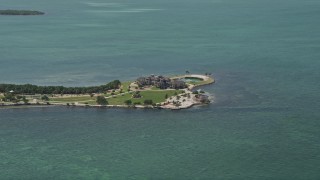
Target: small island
[20, 12]
[154, 91]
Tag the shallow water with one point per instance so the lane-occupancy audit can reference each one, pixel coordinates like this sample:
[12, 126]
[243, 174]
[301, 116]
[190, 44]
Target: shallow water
[263, 123]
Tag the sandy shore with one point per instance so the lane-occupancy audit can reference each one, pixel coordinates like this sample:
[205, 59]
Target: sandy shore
[187, 102]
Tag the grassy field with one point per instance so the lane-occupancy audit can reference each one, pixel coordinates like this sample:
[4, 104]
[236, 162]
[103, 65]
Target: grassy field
[155, 88]
[73, 99]
[155, 96]
[118, 100]
[125, 86]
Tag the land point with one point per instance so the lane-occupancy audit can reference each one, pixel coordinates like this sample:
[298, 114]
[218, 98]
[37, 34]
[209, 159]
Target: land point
[177, 92]
[20, 12]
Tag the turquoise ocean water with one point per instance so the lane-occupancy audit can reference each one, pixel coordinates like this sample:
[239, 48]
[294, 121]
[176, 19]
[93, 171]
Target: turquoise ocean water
[264, 121]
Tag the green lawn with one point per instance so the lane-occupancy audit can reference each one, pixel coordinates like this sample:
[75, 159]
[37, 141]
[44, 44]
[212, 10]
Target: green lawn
[92, 102]
[155, 88]
[118, 100]
[125, 86]
[73, 99]
[155, 96]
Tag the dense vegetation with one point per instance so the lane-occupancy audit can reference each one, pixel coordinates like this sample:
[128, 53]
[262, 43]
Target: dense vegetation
[33, 89]
[9, 97]
[20, 12]
[101, 100]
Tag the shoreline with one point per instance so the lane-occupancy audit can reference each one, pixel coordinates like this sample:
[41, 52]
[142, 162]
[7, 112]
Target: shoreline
[169, 103]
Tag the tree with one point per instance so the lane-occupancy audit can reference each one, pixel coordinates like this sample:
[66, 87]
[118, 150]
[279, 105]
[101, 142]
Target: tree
[8, 97]
[25, 101]
[137, 95]
[128, 102]
[45, 98]
[101, 100]
[33, 89]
